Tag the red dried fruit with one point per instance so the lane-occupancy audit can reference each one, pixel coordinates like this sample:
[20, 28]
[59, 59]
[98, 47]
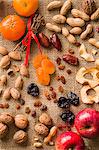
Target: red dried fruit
[43, 39]
[71, 59]
[54, 39]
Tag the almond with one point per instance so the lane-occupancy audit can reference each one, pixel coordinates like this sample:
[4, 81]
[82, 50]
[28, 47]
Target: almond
[15, 55]
[24, 70]
[3, 51]
[3, 80]
[19, 83]
[7, 94]
[15, 93]
[5, 61]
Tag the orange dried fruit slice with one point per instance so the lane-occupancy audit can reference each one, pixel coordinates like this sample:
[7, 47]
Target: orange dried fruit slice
[43, 77]
[48, 66]
[38, 59]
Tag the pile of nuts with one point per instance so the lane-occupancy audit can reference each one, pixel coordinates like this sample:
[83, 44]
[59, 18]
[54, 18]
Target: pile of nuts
[42, 128]
[6, 120]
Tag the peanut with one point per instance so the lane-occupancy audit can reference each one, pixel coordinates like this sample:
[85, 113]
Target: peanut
[5, 61]
[66, 7]
[52, 133]
[95, 15]
[88, 30]
[71, 39]
[75, 22]
[76, 30]
[79, 14]
[59, 19]
[54, 5]
[53, 27]
[94, 42]
[65, 31]
[3, 51]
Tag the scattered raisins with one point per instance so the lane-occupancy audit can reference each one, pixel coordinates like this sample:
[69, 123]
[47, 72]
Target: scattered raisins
[69, 71]
[18, 106]
[33, 114]
[77, 44]
[37, 103]
[61, 67]
[51, 88]
[60, 89]
[43, 108]
[71, 51]
[53, 95]
[63, 80]
[27, 110]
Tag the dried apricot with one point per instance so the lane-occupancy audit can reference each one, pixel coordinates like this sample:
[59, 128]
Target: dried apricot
[48, 66]
[38, 59]
[43, 77]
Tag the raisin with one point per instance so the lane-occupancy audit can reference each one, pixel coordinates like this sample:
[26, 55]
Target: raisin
[68, 116]
[43, 108]
[63, 102]
[21, 101]
[58, 60]
[74, 99]
[33, 90]
[70, 59]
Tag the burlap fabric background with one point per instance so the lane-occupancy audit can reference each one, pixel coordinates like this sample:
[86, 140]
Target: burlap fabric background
[71, 85]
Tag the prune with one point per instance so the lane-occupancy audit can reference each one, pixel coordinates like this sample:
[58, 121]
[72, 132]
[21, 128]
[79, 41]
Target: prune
[74, 99]
[63, 102]
[33, 90]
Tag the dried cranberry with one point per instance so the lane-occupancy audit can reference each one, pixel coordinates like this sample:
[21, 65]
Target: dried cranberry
[54, 39]
[71, 59]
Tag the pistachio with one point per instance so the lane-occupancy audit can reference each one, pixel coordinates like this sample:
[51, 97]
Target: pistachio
[15, 93]
[15, 55]
[3, 51]
[3, 80]
[24, 70]
[19, 82]
[5, 61]
[7, 94]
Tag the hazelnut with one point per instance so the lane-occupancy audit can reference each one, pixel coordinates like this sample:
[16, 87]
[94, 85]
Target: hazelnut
[3, 130]
[6, 118]
[21, 121]
[20, 137]
[45, 119]
[41, 129]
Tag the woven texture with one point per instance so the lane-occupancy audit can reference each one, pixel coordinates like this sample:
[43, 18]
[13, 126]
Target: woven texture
[71, 85]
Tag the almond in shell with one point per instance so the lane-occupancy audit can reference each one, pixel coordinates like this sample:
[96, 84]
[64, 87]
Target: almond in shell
[5, 61]
[3, 51]
[15, 55]
[24, 70]
[19, 83]
[15, 93]
[3, 80]
[7, 94]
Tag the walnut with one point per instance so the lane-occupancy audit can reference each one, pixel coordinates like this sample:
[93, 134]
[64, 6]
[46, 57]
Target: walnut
[45, 119]
[41, 129]
[89, 6]
[20, 137]
[21, 121]
[6, 118]
[3, 130]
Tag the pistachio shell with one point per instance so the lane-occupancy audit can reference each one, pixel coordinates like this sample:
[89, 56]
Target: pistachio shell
[15, 55]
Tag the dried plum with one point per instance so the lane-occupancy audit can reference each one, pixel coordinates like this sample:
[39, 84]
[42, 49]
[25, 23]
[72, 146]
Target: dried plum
[63, 102]
[74, 99]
